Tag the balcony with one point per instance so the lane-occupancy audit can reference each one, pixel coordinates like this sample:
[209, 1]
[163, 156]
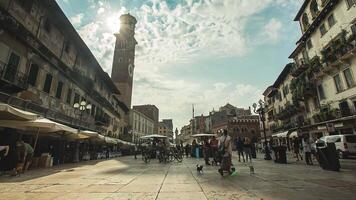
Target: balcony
[11, 79]
[287, 112]
[338, 51]
[299, 68]
[326, 114]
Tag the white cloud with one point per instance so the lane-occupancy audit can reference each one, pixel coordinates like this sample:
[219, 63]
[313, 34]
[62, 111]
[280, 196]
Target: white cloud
[165, 35]
[77, 19]
[271, 31]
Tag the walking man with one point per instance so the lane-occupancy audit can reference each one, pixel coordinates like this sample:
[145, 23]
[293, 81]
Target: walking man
[247, 149]
[307, 148]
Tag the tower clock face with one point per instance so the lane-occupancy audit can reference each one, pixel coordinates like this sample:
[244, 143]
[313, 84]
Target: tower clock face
[131, 69]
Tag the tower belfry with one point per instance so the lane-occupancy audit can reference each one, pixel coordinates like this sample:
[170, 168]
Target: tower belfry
[124, 58]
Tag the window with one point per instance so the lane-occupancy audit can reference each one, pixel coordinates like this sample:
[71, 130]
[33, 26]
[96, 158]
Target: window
[338, 83]
[48, 83]
[305, 21]
[25, 4]
[322, 29]
[314, 8]
[331, 20]
[321, 92]
[309, 44]
[353, 28]
[349, 78]
[11, 68]
[69, 96]
[66, 47]
[76, 98]
[47, 26]
[350, 3]
[32, 75]
[59, 89]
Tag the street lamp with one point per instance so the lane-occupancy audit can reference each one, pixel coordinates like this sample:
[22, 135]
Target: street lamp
[261, 112]
[81, 107]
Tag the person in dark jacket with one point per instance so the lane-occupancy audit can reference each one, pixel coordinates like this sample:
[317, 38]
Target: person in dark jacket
[240, 148]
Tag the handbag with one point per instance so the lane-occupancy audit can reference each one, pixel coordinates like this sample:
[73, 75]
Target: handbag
[222, 147]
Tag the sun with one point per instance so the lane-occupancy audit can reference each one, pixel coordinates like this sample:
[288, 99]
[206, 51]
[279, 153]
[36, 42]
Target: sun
[112, 23]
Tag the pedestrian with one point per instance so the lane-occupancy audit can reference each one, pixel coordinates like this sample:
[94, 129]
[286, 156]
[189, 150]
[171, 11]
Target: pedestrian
[240, 148]
[206, 151]
[225, 149]
[296, 146]
[307, 148]
[187, 151]
[247, 149]
[26, 153]
[135, 151]
[194, 146]
[214, 145]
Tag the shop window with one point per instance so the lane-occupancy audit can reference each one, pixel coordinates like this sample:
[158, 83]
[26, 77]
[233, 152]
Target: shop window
[32, 75]
[349, 78]
[331, 20]
[338, 83]
[69, 96]
[344, 108]
[322, 29]
[48, 83]
[59, 89]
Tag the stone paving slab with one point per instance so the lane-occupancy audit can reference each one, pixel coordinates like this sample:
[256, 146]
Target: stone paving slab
[126, 178]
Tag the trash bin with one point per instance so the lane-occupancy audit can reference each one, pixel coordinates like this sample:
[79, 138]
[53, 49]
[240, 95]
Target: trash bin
[280, 154]
[327, 156]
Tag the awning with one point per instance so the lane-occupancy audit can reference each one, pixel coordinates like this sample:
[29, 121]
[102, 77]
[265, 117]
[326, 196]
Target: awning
[94, 136]
[293, 134]
[281, 135]
[153, 136]
[204, 135]
[8, 112]
[110, 140]
[42, 125]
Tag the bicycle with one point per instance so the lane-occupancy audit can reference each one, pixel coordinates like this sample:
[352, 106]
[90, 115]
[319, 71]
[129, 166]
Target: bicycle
[175, 154]
[146, 155]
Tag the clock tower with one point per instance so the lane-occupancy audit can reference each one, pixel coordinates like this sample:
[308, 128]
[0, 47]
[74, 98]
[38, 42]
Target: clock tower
[124, 57]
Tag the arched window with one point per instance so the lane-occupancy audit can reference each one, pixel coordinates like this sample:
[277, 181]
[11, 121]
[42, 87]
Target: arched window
[314, 8]
[305, 21]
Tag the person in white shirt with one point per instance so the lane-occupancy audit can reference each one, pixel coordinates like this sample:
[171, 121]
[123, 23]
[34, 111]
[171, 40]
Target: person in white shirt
[307, 148]
[225, 149]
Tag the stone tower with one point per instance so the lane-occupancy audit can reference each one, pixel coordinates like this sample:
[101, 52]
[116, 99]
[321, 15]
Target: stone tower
[124, 57]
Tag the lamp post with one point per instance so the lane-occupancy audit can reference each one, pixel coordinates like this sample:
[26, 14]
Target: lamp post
[261, 112]
[80, 108]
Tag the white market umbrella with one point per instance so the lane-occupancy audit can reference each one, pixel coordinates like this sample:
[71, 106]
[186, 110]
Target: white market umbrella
[40, 125]
[153, 136]
[204, 135]
[8, 112]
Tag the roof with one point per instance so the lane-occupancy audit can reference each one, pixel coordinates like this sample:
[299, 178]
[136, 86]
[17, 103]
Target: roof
[283, 75]
[301, 10]
[299, 47]
[59, 18]
[268, 90]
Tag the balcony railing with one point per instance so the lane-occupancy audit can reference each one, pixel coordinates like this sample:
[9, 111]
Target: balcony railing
[299, 68]
[12, 80]
[339, 49]
[326, 114]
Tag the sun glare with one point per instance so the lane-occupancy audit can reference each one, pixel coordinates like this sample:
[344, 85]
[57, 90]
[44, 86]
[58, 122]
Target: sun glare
[112, 22]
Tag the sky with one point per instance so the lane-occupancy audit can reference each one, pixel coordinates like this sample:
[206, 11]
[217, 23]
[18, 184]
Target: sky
[202, 52]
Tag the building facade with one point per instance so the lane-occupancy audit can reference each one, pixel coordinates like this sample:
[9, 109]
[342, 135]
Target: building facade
[141, 125]
[164, 129]
[150, 111]
[45, 68]
[185, 135]
[321, 79]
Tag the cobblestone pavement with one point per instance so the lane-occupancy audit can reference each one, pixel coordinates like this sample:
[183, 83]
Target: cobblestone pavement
[126, 178]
